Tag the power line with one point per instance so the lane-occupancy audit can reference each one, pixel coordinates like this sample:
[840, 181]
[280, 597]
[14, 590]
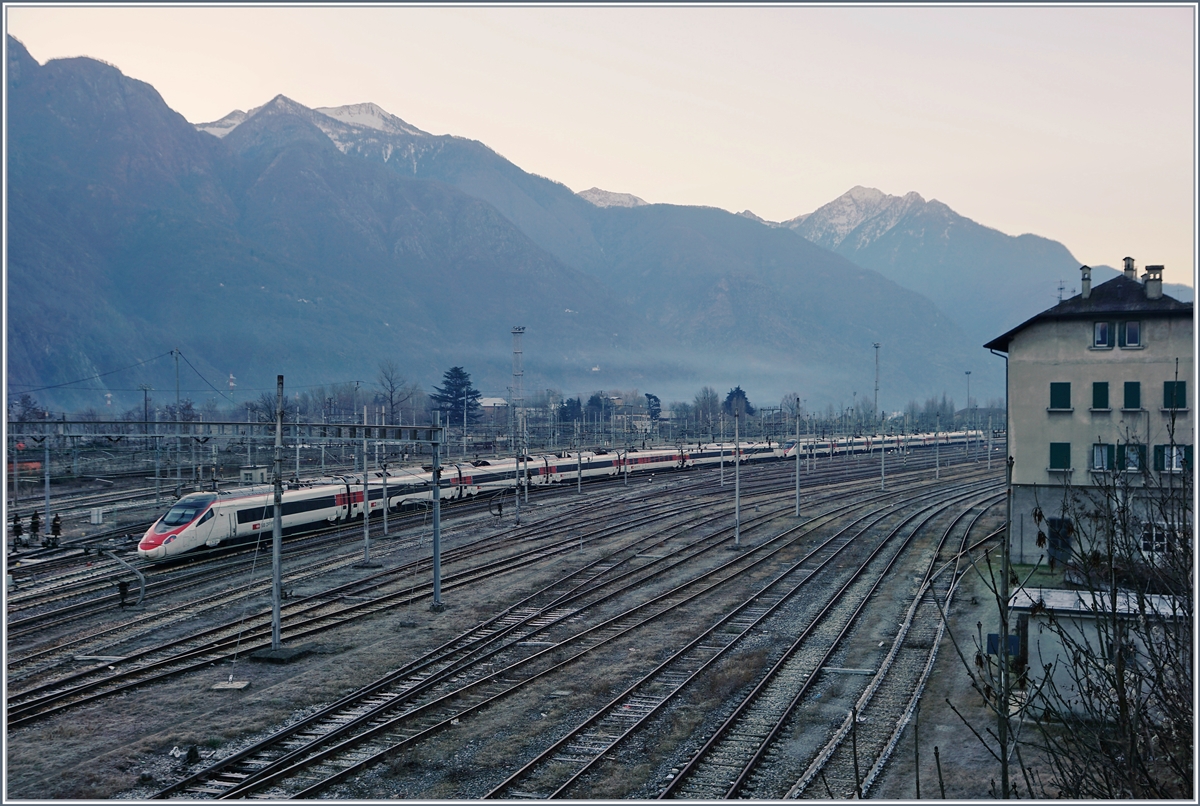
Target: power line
[215, 389]
[93, 377]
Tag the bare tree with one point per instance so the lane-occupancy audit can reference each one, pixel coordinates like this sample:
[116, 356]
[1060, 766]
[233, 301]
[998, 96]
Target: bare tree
[396, 389]
[1100, 693]
[707, 408]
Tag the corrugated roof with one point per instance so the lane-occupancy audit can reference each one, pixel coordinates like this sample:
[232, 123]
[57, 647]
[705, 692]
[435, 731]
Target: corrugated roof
[1119, 295]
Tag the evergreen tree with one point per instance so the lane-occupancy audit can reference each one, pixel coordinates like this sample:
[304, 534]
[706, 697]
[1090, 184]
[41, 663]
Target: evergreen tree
[653, 407]
[450, 397]
[736, 401]
[570, 410]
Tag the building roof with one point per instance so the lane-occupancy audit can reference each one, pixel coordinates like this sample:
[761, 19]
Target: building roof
[1119, 295]
[1093, 603]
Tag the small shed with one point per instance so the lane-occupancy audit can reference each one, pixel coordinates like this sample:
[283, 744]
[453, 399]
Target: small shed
[254, 474]
[1052, 624]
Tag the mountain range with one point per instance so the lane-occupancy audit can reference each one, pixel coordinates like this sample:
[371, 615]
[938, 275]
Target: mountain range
[986, 280]
[316, 242]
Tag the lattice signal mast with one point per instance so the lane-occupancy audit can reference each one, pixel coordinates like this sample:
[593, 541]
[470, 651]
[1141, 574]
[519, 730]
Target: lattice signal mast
[518, 375]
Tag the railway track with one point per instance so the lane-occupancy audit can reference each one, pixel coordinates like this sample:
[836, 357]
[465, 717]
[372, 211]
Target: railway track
[382, 733]
[882, 712]
[562, 768]
[777, 478]
[48, 576]
[253, 629]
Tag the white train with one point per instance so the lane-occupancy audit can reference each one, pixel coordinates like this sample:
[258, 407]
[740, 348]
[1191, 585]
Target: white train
[839, 446]
[210, 519]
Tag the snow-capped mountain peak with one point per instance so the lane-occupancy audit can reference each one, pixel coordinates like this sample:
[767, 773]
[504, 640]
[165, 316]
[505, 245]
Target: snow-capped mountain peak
[606, 198]
[340, 123]
[830, 224]
[222, 127]
[370, 116]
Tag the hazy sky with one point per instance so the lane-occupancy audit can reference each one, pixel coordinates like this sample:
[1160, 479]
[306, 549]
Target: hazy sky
[1075, 123]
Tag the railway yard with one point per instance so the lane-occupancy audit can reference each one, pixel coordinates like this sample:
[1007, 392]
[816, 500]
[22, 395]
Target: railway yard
[614, 644]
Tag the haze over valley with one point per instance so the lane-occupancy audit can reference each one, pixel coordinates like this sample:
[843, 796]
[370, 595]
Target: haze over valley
[316, 242]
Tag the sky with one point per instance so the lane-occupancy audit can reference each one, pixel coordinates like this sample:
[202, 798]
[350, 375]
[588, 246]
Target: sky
[1075, 123]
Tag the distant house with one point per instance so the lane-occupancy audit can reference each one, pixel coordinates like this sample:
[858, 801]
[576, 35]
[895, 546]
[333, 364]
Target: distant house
[1097, 392]
[494, 410]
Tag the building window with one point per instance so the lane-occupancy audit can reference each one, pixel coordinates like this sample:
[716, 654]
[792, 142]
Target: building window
[1060, 395]
[1103, 457]
[1175, 394]
[1131, 458]
[1100, 395]
[1102, 334]
[1133, 394]
[1157, 538]
[1061, 530]
[1172, 458]
[1130, 334]
[1060, 455]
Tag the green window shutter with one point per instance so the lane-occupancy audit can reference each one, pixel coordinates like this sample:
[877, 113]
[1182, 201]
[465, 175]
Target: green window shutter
[1120, 457]
[1110, 457]
[1141, 450]
[1133, 395]
[1112, 326]
[1100, 395]
[1060, 395]
[1175, 394]
[1120, 334]
[1160, 457]
[1060, 455]
[1187, 456]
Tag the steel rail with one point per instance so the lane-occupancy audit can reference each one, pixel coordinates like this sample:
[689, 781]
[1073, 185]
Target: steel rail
[729, 725]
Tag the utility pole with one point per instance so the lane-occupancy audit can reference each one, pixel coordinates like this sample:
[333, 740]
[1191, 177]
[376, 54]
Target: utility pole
[518, 412]
[177, 447]
[437, 605]
[968, 412]
[157, 463]
[46, 446]
[989, 444]
[1005, 695]
[366, 560]
[936, 445]
[277, 525]
[876, 414]
[737, 478]
[146, 390]
[385, 493]
[797, 457]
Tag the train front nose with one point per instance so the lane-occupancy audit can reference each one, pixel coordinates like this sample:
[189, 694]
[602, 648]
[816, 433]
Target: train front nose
[151, 547]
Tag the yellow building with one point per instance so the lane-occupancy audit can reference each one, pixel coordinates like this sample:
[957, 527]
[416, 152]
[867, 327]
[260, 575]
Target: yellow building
[1098, 398]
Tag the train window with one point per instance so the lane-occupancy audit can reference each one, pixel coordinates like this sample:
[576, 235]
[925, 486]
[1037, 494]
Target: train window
[181, 513]
[208, 516]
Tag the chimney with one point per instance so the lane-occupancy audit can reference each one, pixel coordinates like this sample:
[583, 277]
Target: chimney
[1130, 269]
[1086, 283]
[1153, 280]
